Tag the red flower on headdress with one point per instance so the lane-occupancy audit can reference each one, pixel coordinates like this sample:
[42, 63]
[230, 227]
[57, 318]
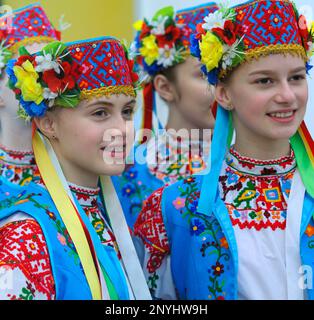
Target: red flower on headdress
[200, 31]
[65, 79]
[24, 58]
[304, 31]
[171, 35]
[134, 75]
[228, 34]
[145, 31]
[3, 34]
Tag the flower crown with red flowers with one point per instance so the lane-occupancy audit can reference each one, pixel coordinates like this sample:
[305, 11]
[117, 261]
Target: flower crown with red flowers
[63, 74]
[43, 80]
[159, 44]
[230, 36]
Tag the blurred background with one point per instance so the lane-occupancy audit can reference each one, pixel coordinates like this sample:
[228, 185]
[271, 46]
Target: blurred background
[95, 18]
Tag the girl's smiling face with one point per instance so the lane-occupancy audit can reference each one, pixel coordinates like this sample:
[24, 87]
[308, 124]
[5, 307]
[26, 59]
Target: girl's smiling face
[92, 139]
[267, 97]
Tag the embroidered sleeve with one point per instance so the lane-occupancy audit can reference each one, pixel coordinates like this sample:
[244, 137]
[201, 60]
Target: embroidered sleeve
[25, 270]
[150, 228]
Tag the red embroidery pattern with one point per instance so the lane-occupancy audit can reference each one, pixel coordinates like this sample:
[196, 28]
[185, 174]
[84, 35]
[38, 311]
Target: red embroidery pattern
[191, 17]
[268, 23]
[22, 245]
[84, 194]
[250, 163]
[102, 61]
[14, 154]
[151, 229]
[30, 22]
[18, 167]
[255, 200]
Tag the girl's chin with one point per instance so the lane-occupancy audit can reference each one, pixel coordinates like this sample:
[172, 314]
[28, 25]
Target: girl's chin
[113, 170]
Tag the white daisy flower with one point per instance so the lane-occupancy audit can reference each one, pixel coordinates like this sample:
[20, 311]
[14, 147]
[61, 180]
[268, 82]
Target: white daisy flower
[49, 95]
[133, 51]
[230, 52]
[159, 26]
[214, 20]
[166, 56]
[45, 63]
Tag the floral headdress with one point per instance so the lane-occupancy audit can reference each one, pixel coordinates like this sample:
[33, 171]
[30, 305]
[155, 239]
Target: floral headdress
[230, 36]
[24, 26]
[158, 43]
[163, 43]
[63, 74]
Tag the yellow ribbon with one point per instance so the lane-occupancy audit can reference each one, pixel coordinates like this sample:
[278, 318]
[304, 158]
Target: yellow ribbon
[67, 213]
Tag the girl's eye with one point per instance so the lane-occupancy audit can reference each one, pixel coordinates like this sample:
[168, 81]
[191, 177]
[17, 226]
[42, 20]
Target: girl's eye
[128, 112]
[298, 77]
[264, 81]
[100, 113]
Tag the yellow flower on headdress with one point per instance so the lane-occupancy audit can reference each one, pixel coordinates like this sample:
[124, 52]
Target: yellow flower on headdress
[27, 82]
[137, 25]
[150, 49]
[211, 51]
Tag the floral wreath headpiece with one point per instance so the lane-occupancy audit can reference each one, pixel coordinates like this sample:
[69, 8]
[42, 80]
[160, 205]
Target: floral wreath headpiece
[230, 36]
[158, 44]
[61, 75]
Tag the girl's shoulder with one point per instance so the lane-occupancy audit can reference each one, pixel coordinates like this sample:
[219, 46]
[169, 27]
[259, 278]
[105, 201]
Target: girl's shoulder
[32, 199]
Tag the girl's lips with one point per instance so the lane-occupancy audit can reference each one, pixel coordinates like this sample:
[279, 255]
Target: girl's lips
[117, 152]
[282, 117]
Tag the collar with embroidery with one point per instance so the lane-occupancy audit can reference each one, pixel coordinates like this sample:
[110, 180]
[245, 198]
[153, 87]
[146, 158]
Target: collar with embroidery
[171, 157]
[17, 158]
[254, 167]
[87, 197]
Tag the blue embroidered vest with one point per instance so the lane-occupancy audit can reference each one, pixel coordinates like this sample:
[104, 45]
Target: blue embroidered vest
[70, 281]
[204, 258]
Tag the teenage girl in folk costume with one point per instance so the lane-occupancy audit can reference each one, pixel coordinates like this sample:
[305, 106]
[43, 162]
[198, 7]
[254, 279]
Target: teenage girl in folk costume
[162, 53]
[65, 237]
[245, 229]
[29, 27]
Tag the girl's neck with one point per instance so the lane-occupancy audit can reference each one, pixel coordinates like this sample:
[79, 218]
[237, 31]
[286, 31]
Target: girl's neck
[75, 174]
[176, 122]
[263, 150]
[16, 134]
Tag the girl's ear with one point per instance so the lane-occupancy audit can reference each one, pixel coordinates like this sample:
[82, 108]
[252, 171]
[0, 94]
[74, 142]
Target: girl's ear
[47, 125]
[164, 88]
[223, 96]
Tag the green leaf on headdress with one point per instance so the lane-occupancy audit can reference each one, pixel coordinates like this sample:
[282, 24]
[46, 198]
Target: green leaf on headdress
[69, 100]
[7, 55]
[125, 46]
[54, 48]
[238, 59]
[22, 114]
[164, 12]
[23, 52]
[240, 56]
